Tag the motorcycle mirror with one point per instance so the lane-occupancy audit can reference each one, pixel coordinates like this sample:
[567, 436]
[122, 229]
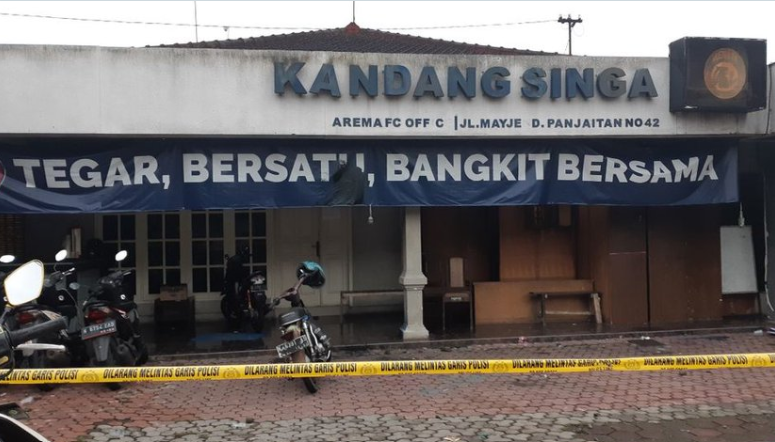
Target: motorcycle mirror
[74, 286]
[61, 255]
[7, 259]
[25, 283]
[120, 256]
[20, 432]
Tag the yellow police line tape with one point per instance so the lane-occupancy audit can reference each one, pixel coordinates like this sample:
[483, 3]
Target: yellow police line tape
[384, 368]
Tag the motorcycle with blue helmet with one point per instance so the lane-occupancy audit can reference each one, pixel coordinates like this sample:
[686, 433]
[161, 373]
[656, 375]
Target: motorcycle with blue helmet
[303, 340]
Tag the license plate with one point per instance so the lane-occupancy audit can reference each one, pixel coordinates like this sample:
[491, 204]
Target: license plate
[290, 347]
[97, 330]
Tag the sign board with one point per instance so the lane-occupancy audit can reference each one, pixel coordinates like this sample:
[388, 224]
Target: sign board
[59, 175]
[206, 92]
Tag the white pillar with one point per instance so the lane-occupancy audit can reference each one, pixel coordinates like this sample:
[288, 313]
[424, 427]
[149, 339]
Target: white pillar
[412, 277]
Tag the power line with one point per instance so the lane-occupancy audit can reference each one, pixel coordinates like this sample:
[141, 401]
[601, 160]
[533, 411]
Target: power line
[292, 28]
[154, 23]
[486, 25]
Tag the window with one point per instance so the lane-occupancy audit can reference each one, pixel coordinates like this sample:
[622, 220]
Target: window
[118, 233]
[163, 250]
[250, 230]
[207, 252]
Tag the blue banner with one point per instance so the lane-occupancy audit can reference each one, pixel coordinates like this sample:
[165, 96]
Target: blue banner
[65, 175]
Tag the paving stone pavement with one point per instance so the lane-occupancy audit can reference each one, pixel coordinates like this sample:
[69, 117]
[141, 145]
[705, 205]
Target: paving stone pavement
[700, 405]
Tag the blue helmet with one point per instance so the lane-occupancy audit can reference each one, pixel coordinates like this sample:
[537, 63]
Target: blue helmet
[313, 273]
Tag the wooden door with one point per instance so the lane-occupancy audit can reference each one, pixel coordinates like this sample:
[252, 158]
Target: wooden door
[684, 264]
[322, 235]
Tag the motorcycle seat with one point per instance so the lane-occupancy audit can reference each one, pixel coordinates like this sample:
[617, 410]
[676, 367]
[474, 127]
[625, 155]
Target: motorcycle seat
[292, 316]
[95, 303]
[28, 307]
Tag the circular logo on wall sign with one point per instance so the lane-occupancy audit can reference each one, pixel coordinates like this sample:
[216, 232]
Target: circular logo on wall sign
[725, 73]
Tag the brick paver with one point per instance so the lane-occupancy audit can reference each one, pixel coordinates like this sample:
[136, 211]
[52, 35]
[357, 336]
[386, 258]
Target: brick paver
[702, 405]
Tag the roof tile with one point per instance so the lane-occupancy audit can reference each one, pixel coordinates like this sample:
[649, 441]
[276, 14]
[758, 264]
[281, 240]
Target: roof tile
[353, 38]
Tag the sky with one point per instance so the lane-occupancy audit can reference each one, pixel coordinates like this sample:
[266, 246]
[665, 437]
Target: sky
[609, 28]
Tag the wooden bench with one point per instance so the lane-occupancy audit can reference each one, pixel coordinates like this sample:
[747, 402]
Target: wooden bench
[594, 304]
[346, 298]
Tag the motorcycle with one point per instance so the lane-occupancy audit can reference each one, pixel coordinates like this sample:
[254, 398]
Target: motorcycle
[38, 311]
[23, 286]
[243, 295]
[304, 340]
[111, 331]
[57, 297]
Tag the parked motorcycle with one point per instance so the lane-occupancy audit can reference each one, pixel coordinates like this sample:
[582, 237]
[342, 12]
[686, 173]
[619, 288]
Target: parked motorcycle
[304, 340]
[244, 293]
[38, 311]
[60, 297]
[20, 287]
[111, 331]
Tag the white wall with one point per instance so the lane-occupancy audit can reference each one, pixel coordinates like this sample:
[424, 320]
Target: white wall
[188, 92]
[377, 248]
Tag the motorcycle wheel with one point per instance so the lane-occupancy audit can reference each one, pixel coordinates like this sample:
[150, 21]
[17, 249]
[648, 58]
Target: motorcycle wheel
[143, 358]
[225, 309]
[233, 319]
[310, 383]
[110, 362]
[37, 361]
[257, 320]
[139, 345]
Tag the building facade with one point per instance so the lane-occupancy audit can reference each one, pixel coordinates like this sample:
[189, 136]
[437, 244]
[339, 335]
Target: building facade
[542, 172]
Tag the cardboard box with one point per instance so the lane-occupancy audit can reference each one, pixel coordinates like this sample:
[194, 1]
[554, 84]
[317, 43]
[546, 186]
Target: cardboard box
[174, 293]
[174, 313]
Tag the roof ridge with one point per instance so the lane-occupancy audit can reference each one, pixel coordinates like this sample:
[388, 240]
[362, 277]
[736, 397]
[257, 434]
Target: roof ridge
[456, 42]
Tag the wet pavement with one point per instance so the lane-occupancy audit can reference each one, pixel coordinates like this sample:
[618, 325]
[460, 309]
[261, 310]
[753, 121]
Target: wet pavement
[375, 330]
[215, 337]
[697, 405]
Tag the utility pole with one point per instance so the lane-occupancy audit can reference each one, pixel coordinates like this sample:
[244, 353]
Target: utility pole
[571, 23]
[196, 24]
